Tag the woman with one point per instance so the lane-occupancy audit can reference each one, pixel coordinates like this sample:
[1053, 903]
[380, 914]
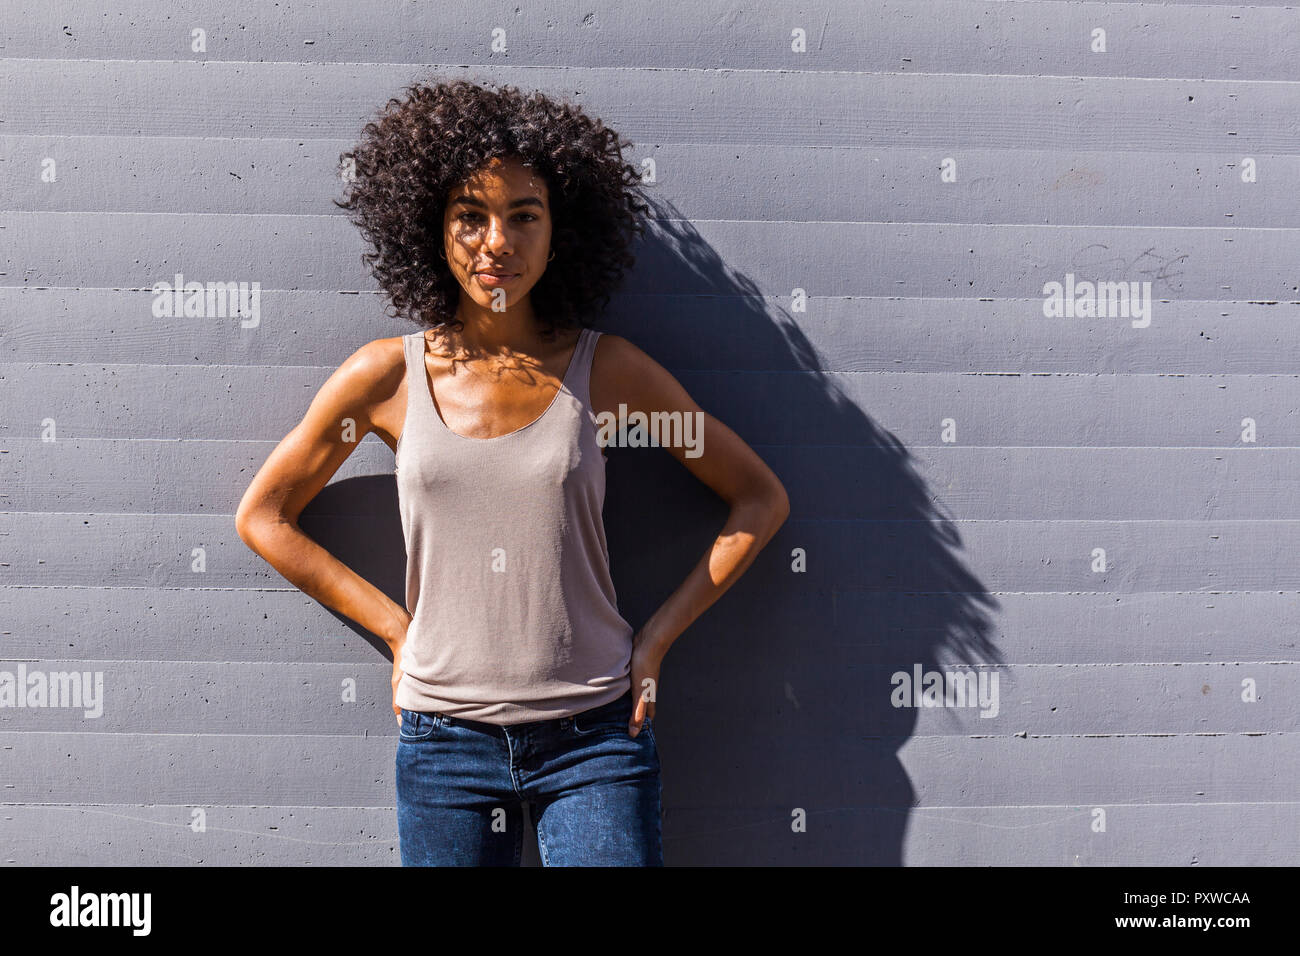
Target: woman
[500, 224]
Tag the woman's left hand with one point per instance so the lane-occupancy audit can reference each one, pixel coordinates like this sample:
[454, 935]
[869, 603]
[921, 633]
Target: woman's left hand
[646, 661]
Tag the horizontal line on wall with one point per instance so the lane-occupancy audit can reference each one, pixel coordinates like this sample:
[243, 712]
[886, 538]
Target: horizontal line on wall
[378, 441]
[674, 295]
[378, 840]
[1012, 735]
[208, 806]
[1072, 806]
[1236, 376]
[297, 806]
[1081, 810]
[704, 71]
[968, 806]
[774, 222]
[1028, 736]
[706, 144]
[937, 665]
[792, 521]
[839, 589]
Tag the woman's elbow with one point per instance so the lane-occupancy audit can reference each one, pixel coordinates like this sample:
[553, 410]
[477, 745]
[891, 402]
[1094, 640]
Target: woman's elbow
[246, 525]
[251, 522]
[771, 505]
[779, 506]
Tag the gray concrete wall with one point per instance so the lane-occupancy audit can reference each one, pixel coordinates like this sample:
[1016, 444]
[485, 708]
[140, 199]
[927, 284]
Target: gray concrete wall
[1147, 707]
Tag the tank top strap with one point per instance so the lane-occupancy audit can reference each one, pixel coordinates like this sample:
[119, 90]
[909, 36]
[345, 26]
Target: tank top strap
[419, 403]
[583, 354]
[408, 346]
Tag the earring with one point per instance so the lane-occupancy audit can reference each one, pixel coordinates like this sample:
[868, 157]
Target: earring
[442, 255]
[551, 256]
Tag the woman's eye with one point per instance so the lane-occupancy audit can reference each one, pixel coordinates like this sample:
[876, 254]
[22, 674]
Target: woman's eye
[467, 216]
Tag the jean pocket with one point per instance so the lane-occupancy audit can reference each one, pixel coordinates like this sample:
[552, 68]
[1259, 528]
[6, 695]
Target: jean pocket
[610, 718]
[417, 725]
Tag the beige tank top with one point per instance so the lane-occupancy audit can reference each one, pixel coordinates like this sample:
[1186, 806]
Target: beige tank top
[514, 616]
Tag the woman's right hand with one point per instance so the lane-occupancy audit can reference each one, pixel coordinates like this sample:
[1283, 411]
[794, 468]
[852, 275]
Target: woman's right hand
[396, 646]
[397, 678]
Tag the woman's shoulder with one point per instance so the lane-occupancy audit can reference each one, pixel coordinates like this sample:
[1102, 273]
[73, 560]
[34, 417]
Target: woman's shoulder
[616, 356]
[377, 368]
[622, 371]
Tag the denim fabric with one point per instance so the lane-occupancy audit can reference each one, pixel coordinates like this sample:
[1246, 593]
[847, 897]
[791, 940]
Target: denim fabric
[594, 791]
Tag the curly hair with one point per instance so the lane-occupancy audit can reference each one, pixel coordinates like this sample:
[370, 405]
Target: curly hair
[422, 146]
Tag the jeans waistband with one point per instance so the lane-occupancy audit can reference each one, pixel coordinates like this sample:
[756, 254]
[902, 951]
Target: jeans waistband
[618, 705]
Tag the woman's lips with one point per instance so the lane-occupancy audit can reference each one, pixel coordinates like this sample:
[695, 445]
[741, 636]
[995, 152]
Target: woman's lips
[487, 278]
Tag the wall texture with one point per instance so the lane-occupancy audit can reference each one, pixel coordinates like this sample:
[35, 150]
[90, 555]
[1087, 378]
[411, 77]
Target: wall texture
[860, 209]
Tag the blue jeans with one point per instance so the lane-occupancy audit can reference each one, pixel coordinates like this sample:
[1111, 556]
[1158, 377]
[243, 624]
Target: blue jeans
[594, 791]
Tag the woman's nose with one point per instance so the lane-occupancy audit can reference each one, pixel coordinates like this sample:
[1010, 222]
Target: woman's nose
[496, 236]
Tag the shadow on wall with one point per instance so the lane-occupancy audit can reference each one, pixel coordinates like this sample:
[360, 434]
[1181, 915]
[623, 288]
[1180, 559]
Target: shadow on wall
[777, 699]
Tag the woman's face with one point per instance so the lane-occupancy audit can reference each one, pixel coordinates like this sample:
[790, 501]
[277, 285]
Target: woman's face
[499, 221]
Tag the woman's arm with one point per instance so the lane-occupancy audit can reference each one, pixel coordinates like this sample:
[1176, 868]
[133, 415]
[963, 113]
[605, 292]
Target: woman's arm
[344, 410]
[624, 374]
